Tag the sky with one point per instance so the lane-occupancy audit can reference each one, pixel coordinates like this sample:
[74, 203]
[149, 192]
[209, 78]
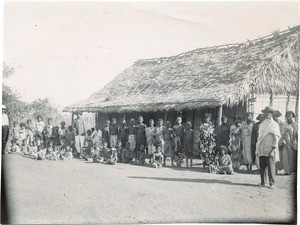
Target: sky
[66, 51]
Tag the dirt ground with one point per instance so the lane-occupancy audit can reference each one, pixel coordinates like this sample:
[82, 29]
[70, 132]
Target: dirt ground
[76, 191]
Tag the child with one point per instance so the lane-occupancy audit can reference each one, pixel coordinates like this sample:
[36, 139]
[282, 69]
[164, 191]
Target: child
[32, 150]
[15, 131]
[48, 132]
[112, 157]
[55, 136]
[70, 139]
[178, 141]
[105, 133]
[30, 132]
[40, 154]
[95, 153]
[39, 127]
[126, 156]
[68, 152]
[188, 143]
[86, 150]
[119, 151]
[113, 130]
[49, 150]
[158, 156]
[24, 147]
[22, 133]
[168, 147]
[140, 156]
[131, 132]
[62, 131]
[104, 151]
[150, 139]
[97, 136]
[14, 148]
[88, 136]
[122, 133]
[223, 162]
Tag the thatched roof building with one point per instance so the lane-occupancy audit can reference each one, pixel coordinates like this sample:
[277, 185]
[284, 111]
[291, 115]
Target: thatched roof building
[205, 77]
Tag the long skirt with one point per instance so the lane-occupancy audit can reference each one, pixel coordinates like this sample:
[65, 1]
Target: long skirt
[168, 150]
[113, 141]
[288, 159]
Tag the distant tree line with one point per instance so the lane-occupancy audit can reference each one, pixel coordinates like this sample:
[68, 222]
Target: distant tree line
[20, 111]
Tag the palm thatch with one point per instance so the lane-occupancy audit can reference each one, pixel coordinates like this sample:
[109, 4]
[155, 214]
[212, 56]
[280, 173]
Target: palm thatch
[205, 77]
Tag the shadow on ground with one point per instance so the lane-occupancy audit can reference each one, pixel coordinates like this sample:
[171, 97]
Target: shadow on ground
[197, 180]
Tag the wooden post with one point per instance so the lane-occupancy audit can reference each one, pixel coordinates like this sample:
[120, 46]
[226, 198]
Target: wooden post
[166, 117]
[271, 99]
[287, 102]
[220, 114]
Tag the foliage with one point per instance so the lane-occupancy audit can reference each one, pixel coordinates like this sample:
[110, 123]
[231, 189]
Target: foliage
[20, 111]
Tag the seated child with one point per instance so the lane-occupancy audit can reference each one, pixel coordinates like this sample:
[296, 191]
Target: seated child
[49, 150]
[68, 152]
[24, 147]
[223, 162]
[158, 157]
[140, 156]
[119, 151]
[32, 150]
[86, 150]
[40, 154]
[112, 157]
[61, 152]
[14, 148]
[126, 156]
[104, 151]
[95, 153]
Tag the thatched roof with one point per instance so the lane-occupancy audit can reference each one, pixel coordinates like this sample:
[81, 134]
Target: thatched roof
[205, 77]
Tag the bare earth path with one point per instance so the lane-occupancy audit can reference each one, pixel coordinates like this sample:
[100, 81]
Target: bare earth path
[76, 191]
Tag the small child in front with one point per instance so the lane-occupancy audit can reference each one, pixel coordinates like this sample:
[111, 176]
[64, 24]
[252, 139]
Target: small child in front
[188, 143]
[14, 148]
[158, 157]
[223, 163]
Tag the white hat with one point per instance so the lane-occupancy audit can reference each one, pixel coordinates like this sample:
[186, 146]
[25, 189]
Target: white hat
[3, 107]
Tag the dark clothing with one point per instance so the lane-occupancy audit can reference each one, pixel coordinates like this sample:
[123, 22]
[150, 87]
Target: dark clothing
[188, 143]
[140, 135]
[223, 135]
[122, 132]
[5, 133]
[113, 129]
[106, 135]
[254, 136]
[267, 162]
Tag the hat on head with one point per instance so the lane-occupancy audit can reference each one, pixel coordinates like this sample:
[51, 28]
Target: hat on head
[78, 113]
[3, 107]
[277, 113]
[268, 109]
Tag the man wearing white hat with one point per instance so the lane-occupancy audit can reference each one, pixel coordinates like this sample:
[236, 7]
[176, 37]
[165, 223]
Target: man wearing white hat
[268, 136]
[5, 128]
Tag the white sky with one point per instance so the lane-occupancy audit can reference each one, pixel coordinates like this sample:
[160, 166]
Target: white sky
[69, 50]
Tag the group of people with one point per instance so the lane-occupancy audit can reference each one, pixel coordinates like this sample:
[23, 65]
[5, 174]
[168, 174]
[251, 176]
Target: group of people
[222, 151]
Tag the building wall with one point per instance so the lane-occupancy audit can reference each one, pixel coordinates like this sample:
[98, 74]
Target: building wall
[280, 102]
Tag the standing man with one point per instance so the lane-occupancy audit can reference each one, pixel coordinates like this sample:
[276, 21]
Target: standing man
[268, 136]
[5, 128]
[80, 133]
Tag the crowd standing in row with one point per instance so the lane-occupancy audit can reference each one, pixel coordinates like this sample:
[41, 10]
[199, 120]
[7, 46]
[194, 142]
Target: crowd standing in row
[223, 151]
